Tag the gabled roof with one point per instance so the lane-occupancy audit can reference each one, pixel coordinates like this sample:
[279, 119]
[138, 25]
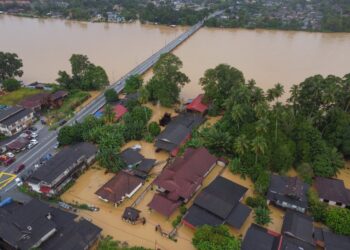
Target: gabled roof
[289, 243]
[163, 205]
[146, 165]
[335, 242]
[13, 114]
[289, 189]
[131, 213]
[63, 160]
[259, 236]
[131, 156]
[23, 226]
[197, 104]
[58, 95]
[178, 130]
[217, 204]
[35, 101]
[122, 184]
[182, 177]
[332, 190]
[298, 226]
[119, 111]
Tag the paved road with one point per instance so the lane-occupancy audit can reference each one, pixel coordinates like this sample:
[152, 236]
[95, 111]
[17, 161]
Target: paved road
[48, 139]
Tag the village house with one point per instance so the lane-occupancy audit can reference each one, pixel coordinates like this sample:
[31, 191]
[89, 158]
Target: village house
[38, 225]
[15, 119]
[288, 192]
[218, 203]
[197, 105]
[123, 185]
[333, 192]
[57, 172]
[177, 132]
[262, 237]
[44, 100]
[297, 232]
[181, 179]
[131, 157]
[331, 241]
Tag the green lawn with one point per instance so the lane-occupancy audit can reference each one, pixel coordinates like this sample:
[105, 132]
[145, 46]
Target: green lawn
[74, 99]
[16, 96]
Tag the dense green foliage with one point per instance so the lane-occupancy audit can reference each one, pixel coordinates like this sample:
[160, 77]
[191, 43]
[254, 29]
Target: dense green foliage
[85, 75]
[262, 135]
[154, 129]
[11, 84]
[10, 66]
[167, 80]
[215, 238]
[107, 243]
[111, 95]
[136, 123]
[262, 216]
[132, 84]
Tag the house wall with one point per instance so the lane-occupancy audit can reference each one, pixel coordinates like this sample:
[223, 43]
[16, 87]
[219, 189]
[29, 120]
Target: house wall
[18, 126]
[134, 191]
[290, 206]
[34, 187]
[333, 203]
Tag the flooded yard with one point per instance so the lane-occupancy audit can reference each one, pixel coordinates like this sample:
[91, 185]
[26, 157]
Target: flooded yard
[344, 174]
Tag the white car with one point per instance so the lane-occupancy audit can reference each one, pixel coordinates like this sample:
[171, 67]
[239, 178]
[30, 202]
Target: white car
[10, 155]
[34, 135]
[19, 182]
[32, 144]
[33, 141]
[137, 147]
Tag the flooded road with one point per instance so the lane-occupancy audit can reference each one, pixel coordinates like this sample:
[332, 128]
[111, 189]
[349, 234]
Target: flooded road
[269, 57]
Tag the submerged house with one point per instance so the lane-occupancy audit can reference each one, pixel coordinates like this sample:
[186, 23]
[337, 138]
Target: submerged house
[297, 232]
[123, 185]
[288, 192]
[331, 241]
[333, 192]
[197, 105]
[218, 203]
[37, 225]
[57, 172]
[177, 132]
[179, 181]
[262, 237]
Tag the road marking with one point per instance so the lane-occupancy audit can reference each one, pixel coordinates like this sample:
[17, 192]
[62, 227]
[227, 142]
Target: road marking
[8, 179]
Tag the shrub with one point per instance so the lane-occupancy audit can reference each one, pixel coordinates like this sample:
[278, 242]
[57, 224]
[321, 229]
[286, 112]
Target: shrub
[154, 129]
[11, 84]
[338, 220]
[262, 216]
[258, 201]
[111, 95]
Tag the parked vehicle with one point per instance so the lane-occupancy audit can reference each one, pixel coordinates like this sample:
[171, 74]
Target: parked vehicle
[19, 181]
[45, 158]
[10, 155]
[33, 129]
[32, 143]
[19, 168]
[34, 135]
[57, 145]
[62, 122]
[9, 161]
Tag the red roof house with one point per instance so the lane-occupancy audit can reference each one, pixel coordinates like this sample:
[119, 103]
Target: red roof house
[181, 179]
[197, 105]
[122, 185]
[119, 111]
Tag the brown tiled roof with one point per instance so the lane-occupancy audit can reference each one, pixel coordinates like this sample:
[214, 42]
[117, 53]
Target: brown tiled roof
[120, 185]
[58, 94]
[35, 101]
[163, 205]
[182, 178]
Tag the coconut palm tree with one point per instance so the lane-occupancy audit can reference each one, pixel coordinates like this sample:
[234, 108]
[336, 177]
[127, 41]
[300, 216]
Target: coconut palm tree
[279, 90]
[261, 126]
[237, 113]
[108, 114]
[241, 145]
[258, 146]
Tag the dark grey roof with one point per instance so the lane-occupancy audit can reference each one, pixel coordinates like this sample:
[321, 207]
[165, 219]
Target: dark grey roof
[146, 165]
[288, 189]
[13, 114]
[259, 236]
[62, 161]
[177, 130]
[218, 203]
[131, 213]
[290, 243]
[332, 190]
[131, 156]
[299, 226]
[335, 242]
[8, 112]
[23, 226]
[238, 215]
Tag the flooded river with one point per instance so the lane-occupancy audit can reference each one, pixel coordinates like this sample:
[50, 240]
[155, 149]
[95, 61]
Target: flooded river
[267, 56]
